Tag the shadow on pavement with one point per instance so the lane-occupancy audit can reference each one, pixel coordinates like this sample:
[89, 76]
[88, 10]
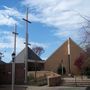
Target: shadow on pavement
[88, 88]
[16, 88]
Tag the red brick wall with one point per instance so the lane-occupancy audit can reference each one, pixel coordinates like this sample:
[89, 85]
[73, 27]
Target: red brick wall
[6, 73]
[19, 77]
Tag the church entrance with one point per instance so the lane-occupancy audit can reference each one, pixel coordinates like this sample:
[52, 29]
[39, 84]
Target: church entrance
[61, 70]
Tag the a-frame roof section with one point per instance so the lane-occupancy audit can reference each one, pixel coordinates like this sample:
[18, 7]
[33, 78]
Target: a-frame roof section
[77, 45]
[56, 52]
[54, 61]
[20, 58]
[32, 55]
[64, 49]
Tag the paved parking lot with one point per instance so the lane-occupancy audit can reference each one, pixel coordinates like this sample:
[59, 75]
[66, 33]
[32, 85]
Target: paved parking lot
[45, 88]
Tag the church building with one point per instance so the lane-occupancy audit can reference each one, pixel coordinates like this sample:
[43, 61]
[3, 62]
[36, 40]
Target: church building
[69, 56]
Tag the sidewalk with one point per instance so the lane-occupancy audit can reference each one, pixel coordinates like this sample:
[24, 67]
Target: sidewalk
[17, 87]
[57, 88]
[22, 87]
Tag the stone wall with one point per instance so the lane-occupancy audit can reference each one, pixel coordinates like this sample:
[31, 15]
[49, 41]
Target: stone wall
[54, 80]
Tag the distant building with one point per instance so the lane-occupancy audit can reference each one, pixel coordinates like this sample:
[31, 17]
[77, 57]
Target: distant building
[33, 59]
[6, 69]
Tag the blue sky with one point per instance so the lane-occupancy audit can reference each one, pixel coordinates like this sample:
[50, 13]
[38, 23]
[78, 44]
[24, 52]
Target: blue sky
[53, 22]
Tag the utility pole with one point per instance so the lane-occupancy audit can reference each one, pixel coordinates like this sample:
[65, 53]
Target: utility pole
[13, 58]
[26, 55]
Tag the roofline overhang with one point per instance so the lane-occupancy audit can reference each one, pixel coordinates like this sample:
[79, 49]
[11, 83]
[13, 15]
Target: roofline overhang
[38, 61]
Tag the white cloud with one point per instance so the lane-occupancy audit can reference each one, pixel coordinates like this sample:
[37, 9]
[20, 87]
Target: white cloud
[11, 16]
[7, 44]
[12, 12]
[8, 15]
[42, 4]
[6, 20]
[33, 17]
[7, 40]
[62, 14]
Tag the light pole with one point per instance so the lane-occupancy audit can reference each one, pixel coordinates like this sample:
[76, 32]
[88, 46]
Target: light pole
[13, 70]
[13, 59]
[26, 55]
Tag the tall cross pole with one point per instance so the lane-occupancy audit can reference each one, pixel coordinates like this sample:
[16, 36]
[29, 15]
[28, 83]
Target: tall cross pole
[13, 58]
[69, 57]
[26, 58]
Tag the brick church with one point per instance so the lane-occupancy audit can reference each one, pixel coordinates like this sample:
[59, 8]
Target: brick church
[70, 55]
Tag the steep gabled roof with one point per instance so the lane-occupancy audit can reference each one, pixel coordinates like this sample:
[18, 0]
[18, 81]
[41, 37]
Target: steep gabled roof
[20, 58]
[56, 52]
[54, 61]
[65, 48]
[32, 55]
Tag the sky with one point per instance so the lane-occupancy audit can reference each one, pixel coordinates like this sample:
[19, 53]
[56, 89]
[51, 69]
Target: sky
[53, 22]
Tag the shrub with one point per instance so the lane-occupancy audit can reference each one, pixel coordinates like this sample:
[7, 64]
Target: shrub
[30, 77]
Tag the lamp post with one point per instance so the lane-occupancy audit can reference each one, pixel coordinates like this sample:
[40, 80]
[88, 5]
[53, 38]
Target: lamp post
[13, 59]
[13, 70]
[13, 56]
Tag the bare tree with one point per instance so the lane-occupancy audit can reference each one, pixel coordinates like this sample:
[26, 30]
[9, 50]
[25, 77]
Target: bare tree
[86, 45]
[38, 50]
[86, 38]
